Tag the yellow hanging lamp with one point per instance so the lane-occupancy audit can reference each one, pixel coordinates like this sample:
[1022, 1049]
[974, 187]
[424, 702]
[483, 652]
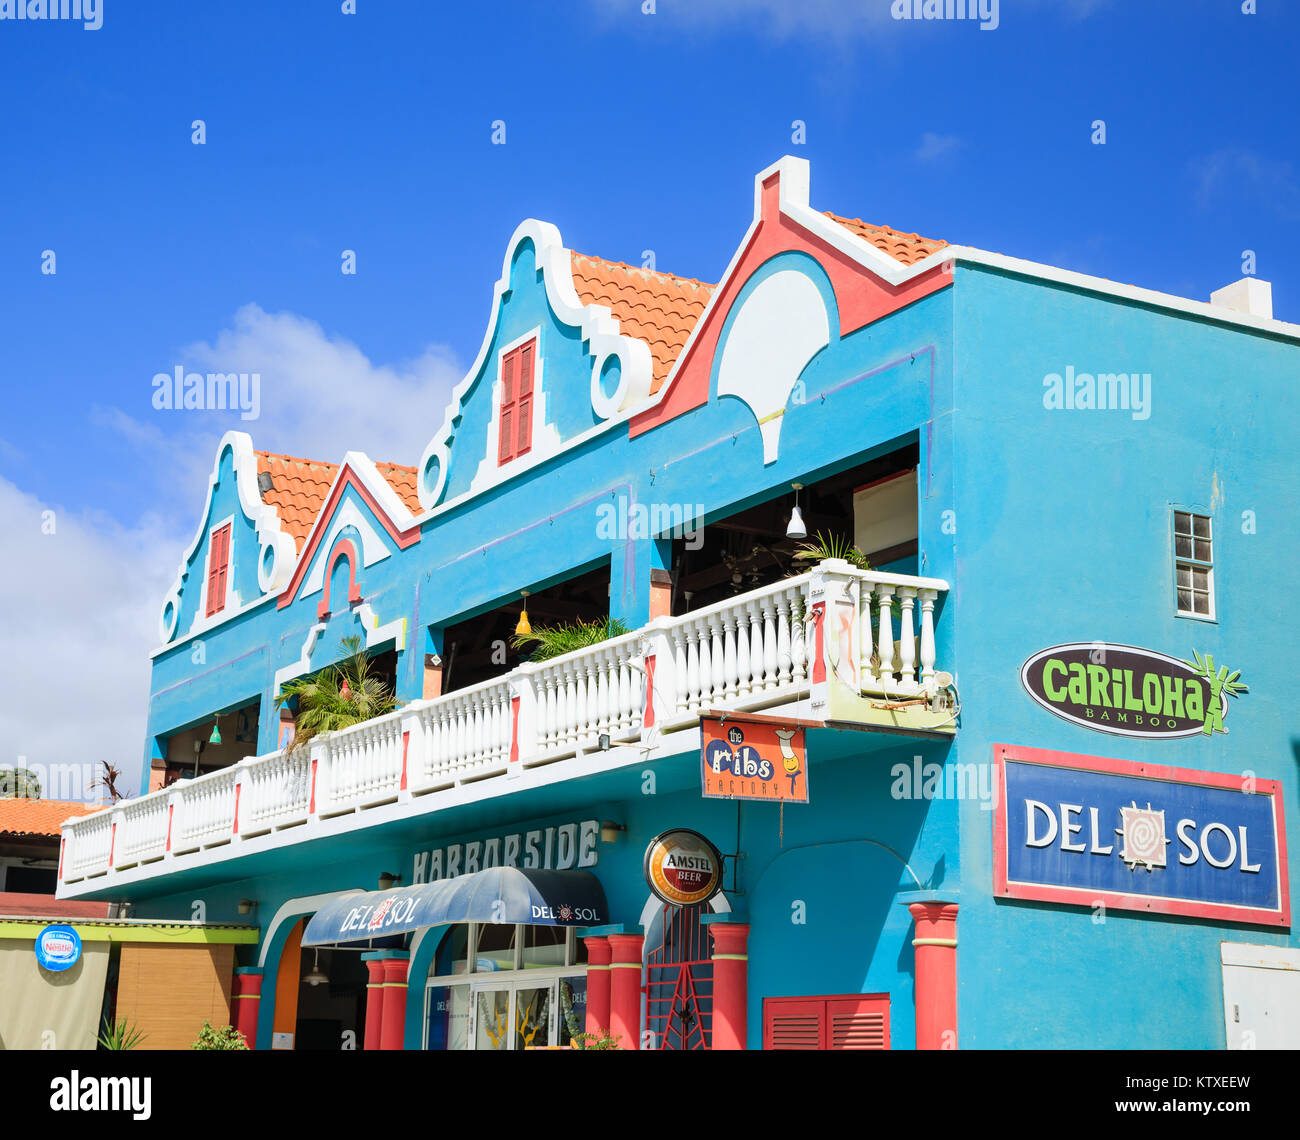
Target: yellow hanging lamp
[523, 629]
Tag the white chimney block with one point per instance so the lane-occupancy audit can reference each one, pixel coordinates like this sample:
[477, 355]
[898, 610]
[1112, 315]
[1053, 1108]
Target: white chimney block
[1249, 295]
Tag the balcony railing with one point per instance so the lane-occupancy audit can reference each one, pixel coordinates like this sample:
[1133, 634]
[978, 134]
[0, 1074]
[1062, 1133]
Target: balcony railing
[784, 643]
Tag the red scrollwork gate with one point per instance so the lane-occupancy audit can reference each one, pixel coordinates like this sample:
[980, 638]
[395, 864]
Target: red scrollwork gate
[679, 982]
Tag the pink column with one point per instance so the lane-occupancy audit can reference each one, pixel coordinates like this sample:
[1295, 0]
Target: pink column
[598, 955]
[393, 1030]
[625, 989]
[936, 974]
[246, 1000]
[374, 1004]
[730, 984]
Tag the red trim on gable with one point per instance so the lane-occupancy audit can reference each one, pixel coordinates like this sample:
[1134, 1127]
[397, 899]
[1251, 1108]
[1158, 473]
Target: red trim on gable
[345, 548]
[218, 569]
[347, 478]
[861, 296]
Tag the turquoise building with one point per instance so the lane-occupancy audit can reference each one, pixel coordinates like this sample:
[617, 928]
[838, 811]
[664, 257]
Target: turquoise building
[1024, 701]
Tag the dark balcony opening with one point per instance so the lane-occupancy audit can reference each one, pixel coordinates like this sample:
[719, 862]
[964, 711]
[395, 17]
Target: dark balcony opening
[192, 751]
[482, 647]
[872, 506]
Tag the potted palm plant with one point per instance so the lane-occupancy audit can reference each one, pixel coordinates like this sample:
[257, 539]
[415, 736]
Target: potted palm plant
[337, 697]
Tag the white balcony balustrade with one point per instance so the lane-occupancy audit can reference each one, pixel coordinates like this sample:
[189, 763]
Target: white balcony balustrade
[765, 649]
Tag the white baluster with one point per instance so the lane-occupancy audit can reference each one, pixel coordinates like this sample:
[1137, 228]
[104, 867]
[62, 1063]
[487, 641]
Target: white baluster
[907, 640]
[885, 641]
[730, 654]
[783, 659]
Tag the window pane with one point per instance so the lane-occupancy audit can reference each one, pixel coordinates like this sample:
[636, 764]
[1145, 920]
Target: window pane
[496, 947]
[492, 1012]
[1203, 604]
[1202, 526]
[1200, 578]
[448, 1026]
[1185, 601]
[1182, 522]
[573, 1008]
[544, 946]
[1203, 550]
[1182, 547]
[533, 1017]
[1184, 574]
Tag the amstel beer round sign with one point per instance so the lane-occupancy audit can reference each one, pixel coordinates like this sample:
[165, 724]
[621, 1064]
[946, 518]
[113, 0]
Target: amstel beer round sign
[682, 867]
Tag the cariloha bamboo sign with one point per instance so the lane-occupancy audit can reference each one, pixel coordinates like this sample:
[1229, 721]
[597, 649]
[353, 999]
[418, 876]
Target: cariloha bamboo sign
[1129, 691]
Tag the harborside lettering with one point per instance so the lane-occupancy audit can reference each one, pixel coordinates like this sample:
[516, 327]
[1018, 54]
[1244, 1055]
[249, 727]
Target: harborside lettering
[563, 848]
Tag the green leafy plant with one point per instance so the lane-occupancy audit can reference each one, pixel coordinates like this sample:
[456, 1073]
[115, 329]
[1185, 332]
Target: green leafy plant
[601, 1040]
[553, 641]
[120, 1035]
[824, 546]
[19, 783]
[337, 697]
[227, 1037]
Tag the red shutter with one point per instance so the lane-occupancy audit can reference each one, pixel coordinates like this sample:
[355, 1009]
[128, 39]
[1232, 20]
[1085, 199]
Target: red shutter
[525, 408]
[218, 567]
[793, 1023]
[858, 1023]
[851, 1021]
[516, 432]
[506, 443]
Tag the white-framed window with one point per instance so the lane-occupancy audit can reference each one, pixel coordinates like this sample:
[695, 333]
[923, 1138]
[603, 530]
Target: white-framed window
[1194, 564]
[502, 987]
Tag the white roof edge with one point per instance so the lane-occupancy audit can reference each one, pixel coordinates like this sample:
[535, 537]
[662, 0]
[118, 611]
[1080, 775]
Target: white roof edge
[1203, 309]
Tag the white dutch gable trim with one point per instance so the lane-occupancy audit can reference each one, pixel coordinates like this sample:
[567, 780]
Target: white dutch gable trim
[276, 552]
[600, 332]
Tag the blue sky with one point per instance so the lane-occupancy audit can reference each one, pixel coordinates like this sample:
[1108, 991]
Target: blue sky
[630, 131]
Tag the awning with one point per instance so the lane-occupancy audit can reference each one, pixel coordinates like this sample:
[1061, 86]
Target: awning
[498, 894]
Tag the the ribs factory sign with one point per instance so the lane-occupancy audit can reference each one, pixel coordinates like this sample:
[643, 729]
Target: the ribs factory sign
[1131, 692]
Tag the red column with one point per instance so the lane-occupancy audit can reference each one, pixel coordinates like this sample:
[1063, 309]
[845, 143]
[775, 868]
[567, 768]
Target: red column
[393, 1030]
[374, 1003]
[730, 984]
[598, 953]
[625, 989]
[246, 1000]
[936, 974]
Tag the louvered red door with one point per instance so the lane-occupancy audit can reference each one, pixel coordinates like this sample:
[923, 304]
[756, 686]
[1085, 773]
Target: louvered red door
[847, 1021]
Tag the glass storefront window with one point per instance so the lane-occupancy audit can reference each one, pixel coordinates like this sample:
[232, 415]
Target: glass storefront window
[544, 945]
[448, 1021]
[573, 1008]
[506, 987]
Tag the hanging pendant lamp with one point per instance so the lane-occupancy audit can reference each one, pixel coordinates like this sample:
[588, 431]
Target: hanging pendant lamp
[796, 529]
[215, 738]
[523, 628]
[317, 975]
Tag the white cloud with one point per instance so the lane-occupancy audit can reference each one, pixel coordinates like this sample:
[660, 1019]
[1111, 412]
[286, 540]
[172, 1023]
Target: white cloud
[935, 147]
[321, 395]
[83, 602]
[1246, 176]
[81, 618]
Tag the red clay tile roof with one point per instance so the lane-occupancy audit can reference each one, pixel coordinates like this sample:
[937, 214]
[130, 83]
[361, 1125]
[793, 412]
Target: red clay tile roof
[658, 308]
[22, 816]
[299, 488]
[907, 248]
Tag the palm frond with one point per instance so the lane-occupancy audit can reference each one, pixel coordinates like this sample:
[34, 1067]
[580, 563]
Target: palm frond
[555, 641]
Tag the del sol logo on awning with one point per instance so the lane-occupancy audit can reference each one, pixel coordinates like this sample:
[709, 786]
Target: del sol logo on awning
[1129, 691]
[1095, 831]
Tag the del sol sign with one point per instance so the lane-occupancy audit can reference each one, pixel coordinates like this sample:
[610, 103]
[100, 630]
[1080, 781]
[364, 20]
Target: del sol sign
[1091, 830]
[1131, 692]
